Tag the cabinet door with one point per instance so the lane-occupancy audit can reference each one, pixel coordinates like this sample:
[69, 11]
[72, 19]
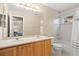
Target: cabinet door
[8, 52]
[25, 50]
[38, 48]
[47, 51]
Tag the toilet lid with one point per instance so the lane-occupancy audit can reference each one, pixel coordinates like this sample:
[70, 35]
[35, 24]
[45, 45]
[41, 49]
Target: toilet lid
[58, 45]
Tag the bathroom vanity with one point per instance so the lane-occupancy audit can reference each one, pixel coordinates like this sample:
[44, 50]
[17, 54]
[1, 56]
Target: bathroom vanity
[16, 22]
[31, 46]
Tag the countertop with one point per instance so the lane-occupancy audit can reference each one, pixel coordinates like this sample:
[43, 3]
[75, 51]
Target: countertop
[22, 40]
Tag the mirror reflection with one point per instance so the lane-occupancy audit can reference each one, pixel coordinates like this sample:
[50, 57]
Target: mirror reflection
[3, 23]
[18, 21]
[17, 26]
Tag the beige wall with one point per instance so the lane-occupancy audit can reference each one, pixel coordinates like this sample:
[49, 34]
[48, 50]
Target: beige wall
[31, 23]
[48, 18]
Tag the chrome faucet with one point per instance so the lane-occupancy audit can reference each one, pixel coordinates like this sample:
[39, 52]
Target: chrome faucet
[16, 38]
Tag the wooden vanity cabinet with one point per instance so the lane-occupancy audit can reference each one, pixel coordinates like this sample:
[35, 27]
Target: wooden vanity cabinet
[8, 51]
[32, 49]
[39, 48]
[25, 50]
[47, 48]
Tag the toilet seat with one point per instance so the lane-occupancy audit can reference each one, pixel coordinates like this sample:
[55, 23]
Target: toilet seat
[57, 46]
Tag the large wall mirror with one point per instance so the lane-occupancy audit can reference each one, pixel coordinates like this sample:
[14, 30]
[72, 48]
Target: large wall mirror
[19, 22]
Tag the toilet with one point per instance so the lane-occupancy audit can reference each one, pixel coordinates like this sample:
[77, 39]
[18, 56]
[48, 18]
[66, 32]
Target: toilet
[57, 48]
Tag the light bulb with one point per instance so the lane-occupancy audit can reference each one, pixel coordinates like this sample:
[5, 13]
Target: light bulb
[28, 6]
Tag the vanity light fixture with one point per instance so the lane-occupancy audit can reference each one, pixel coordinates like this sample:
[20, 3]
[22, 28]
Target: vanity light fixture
[30, 6]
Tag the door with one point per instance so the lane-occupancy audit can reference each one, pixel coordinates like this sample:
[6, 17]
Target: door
[47, 50]
[38, 48]
[25, 50]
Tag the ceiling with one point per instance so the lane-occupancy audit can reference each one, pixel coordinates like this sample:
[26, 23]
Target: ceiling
[60, 7]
